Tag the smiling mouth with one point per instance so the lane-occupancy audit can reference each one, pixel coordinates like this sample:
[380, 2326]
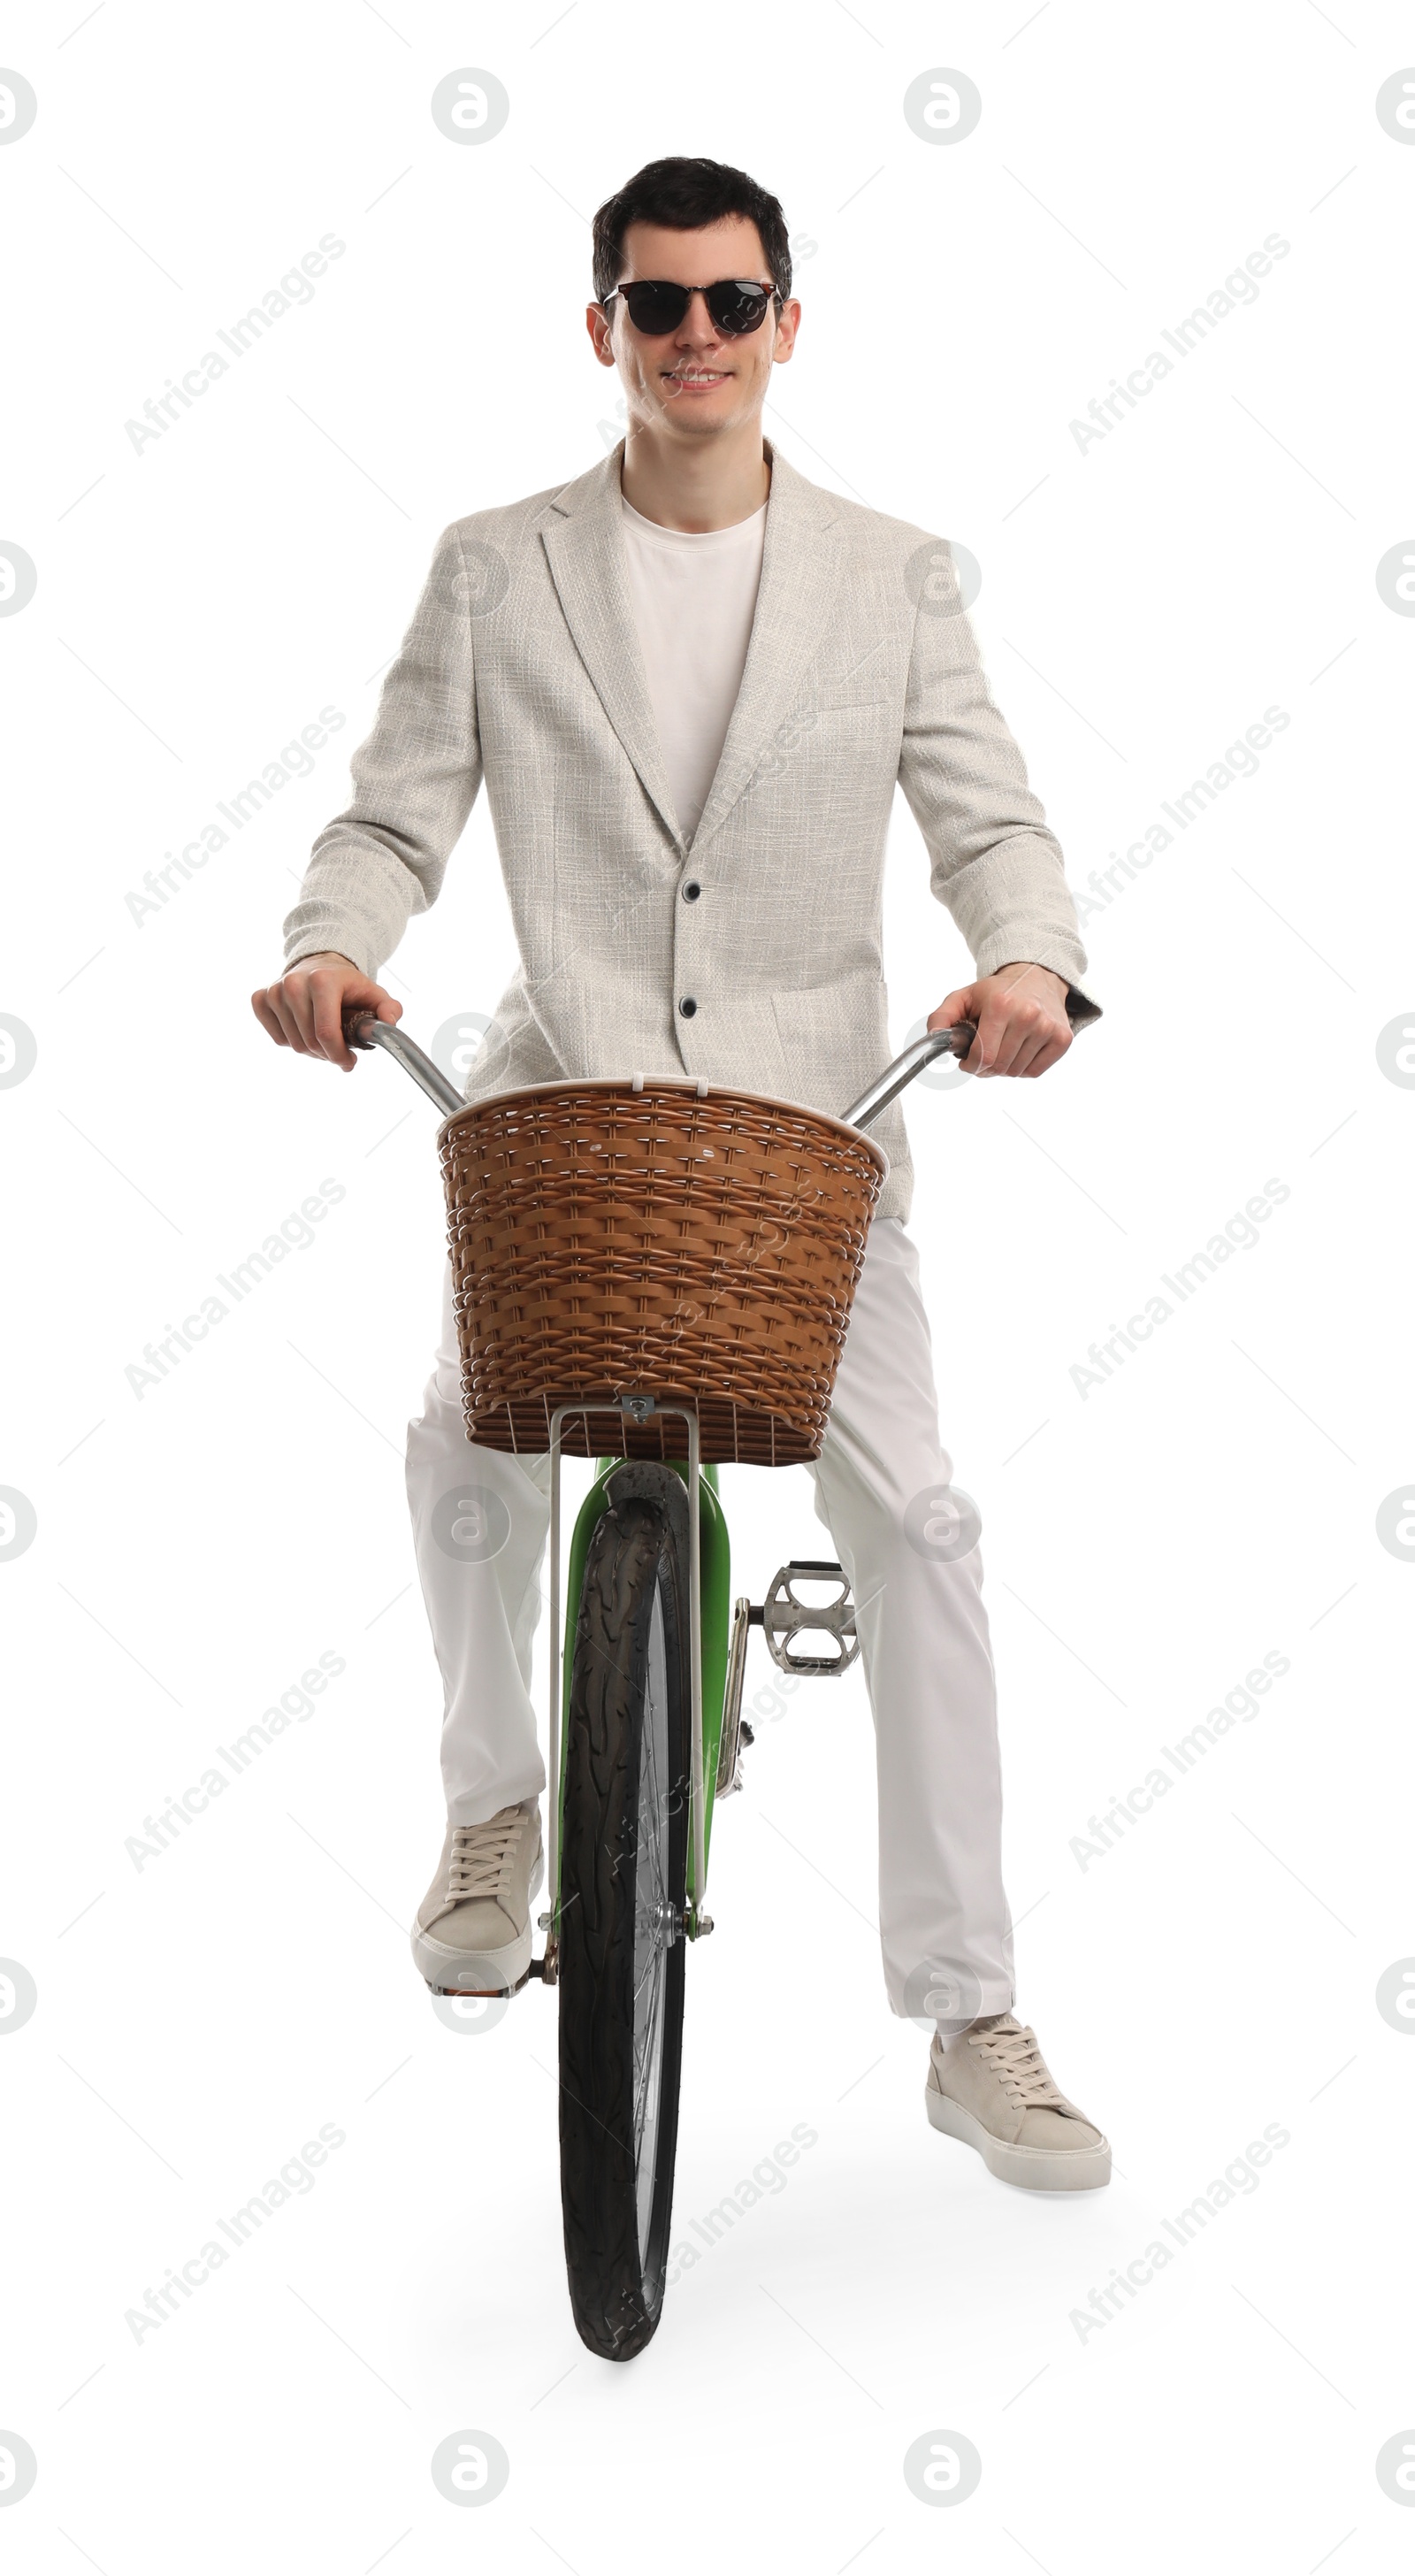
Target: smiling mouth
[695, 375]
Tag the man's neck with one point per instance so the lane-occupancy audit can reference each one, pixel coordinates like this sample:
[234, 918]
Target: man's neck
[696, 489]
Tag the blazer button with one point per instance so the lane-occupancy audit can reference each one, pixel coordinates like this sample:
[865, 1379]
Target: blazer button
[691, 890]
[687, 1006]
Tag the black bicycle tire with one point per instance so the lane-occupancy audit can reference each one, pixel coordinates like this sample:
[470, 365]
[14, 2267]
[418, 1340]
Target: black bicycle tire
[635, 1550]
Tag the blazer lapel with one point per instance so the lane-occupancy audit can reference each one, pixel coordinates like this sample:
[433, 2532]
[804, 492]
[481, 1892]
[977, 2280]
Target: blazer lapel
[801, 560]
[585, 547]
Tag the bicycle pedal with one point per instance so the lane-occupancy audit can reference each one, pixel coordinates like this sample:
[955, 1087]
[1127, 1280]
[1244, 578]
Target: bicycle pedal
[485, 1994]
[784, 1615]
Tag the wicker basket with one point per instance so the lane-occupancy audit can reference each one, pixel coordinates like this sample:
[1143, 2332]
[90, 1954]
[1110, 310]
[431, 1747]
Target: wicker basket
[657, 1238]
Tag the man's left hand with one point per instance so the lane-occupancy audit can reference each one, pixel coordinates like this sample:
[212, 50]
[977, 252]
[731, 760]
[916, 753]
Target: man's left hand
[1020, 1013]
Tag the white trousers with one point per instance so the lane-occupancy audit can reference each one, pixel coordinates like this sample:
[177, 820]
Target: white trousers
[481, 1519]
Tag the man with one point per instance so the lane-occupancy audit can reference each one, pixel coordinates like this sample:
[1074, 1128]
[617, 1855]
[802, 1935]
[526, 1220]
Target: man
[691, 680]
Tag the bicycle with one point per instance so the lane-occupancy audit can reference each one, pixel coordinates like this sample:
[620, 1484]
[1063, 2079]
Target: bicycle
[585, 1234]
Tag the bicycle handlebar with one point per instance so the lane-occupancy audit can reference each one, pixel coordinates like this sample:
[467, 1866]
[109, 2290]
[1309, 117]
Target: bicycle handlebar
[887, 1085]
[363, 1030]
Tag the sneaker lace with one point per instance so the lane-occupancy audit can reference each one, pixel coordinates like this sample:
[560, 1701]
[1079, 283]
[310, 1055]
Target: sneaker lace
[482, 1856]
[1016, 2060]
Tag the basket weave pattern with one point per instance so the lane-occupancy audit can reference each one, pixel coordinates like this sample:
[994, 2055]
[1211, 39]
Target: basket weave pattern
[607, 1241]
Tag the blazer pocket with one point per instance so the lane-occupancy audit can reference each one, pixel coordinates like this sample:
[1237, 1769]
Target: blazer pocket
[822, 731]
[845, 701]
[834, 1037]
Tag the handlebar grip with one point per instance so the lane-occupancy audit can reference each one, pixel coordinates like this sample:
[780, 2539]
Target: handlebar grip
[364, 1029]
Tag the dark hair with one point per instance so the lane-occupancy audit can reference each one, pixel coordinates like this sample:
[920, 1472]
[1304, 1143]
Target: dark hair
[684, 196]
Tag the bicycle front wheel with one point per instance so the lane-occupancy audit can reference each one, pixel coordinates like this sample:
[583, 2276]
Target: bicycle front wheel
[623, 1891]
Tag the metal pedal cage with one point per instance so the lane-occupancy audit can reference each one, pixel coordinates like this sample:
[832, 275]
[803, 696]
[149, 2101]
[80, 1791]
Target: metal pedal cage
[779, 1617]
[782, 1616]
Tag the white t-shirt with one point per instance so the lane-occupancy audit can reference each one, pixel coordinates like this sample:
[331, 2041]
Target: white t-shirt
[694, 598]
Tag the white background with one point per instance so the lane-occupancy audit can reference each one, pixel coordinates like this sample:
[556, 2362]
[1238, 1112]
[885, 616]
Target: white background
[1147, 1541]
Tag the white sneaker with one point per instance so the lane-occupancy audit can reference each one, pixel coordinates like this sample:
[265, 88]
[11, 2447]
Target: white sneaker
[991, 2088]
[472, 1931]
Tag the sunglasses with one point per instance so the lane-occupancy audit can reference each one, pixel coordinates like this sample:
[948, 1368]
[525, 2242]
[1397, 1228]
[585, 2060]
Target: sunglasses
[657, 305]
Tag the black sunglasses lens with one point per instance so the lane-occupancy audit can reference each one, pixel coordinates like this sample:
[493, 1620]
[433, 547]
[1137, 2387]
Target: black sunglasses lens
[655, 306]
[737, 306]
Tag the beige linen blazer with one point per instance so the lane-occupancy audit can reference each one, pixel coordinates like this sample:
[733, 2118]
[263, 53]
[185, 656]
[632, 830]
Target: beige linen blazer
[522, 665]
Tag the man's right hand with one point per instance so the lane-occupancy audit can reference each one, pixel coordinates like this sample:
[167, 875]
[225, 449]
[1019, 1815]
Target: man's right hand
[305, 1008]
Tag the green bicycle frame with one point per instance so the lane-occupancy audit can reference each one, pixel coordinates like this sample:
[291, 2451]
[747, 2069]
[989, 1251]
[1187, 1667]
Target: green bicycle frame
[715, 1583]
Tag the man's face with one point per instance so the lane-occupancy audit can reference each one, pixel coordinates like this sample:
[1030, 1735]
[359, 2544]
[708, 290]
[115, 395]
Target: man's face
[694, 382]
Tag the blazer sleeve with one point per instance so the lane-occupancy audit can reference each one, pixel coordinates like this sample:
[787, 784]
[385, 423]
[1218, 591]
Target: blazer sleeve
[993, 861]
[415, 779]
